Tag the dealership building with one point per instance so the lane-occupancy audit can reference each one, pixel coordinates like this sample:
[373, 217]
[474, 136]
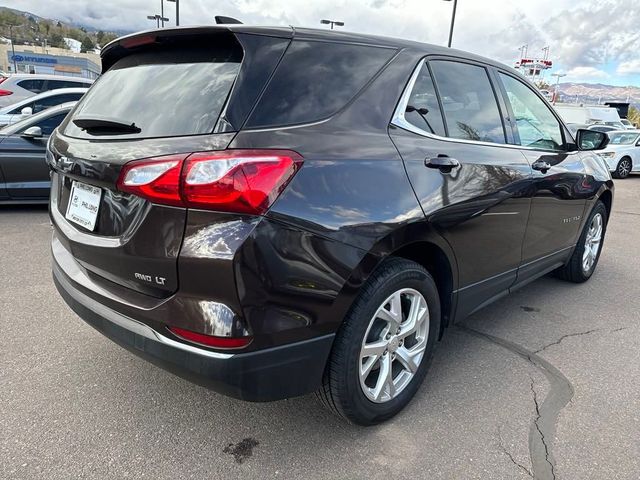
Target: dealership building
[52, 61]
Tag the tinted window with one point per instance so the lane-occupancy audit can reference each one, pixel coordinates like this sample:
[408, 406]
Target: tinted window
[423, 110]
[469, 103]
[170, 93]
[33, 85]
[48, 125]
[44, 103]
[537, 127]
[315, 80]
[55, 84]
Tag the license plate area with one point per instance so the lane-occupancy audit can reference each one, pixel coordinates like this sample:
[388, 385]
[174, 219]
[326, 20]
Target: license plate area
[83, 206]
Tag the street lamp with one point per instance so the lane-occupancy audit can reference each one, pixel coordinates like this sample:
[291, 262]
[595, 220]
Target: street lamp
[157, 18]
[177, 2]
[555, 91]
[453, 20]
[332, 23]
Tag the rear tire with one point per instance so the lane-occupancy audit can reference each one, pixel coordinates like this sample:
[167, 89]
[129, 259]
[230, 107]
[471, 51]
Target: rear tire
[383, 349]
[624, 168]
[585, 256]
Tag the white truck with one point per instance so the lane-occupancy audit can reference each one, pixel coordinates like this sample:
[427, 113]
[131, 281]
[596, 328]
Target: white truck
[589, 115]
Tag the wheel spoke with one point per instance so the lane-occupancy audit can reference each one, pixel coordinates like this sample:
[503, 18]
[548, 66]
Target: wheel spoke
[410, 358]
[373, 349]
[417, 315]
[365, 369]
[385, 379]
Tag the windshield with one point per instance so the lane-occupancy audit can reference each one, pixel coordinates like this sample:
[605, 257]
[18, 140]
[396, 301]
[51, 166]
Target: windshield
[623, 138]
[170, 93]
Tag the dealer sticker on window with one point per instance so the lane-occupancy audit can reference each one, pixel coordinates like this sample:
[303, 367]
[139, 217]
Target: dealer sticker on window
[84, 203]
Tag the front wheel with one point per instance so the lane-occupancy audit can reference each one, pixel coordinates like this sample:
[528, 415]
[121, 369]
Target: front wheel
[383, 349]
[624, 168]
[585, 257]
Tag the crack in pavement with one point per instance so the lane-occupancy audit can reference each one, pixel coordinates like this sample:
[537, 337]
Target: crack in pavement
[578, 334]
[508, 454]
[542, 430]
[557, 342]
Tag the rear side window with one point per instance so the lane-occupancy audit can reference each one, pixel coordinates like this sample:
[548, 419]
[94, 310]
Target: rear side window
[469, 102]
[55, 84]
[169, 92]
[33, 85]
[315, 80]
[423, 110]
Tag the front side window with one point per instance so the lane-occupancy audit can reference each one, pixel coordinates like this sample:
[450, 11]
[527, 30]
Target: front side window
[470, 107]
[423, 110]
[536, 126]
[47, 125]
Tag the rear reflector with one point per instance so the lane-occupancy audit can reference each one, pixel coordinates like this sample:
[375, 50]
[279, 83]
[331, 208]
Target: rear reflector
[238, 181]
[210, 340]
[4, 93]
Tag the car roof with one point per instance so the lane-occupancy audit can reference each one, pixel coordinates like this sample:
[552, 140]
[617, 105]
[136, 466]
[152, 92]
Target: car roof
[306, 34]
[44, 76]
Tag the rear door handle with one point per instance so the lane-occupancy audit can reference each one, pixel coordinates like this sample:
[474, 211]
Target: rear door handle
[444, 163]
[541, 166]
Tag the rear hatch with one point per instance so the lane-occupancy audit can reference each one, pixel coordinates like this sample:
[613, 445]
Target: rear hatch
[161, 94]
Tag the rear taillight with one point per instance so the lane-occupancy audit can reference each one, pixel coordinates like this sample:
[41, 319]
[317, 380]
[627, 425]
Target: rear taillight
[4, 93]
[239, 181]
[156, 179]
[210, 340]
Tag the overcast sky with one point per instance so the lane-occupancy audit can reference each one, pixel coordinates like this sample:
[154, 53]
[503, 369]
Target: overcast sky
[590, 40]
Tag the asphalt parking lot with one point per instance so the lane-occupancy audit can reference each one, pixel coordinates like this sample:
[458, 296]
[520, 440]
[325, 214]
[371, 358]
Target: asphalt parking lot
[544, 383]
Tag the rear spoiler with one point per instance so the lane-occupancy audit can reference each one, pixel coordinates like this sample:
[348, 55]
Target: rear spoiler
[123, 46]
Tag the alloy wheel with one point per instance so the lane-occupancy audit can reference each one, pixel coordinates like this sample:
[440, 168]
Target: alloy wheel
[624, 168]
[394, 345]
[592, 243]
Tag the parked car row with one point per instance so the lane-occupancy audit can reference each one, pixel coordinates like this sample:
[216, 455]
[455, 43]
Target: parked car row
[17, 87]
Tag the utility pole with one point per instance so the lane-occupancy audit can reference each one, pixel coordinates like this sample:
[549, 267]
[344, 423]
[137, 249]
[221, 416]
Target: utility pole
[13, 50]
[453, 21]
[162, 12]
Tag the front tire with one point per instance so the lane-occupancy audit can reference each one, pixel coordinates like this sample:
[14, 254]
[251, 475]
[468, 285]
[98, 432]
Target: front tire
[382, 352]
[624, 168]
[585, 256]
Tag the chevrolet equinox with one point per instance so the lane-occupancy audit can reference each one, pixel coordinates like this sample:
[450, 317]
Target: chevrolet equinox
[275, 211]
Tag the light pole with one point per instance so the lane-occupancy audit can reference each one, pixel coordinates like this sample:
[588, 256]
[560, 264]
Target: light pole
[177, 2]
[332, 23]
[453, 20]
[555, 91]
[13, 50]
[157, 18]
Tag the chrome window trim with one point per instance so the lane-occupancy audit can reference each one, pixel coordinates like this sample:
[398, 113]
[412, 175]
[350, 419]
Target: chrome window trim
[399, 120]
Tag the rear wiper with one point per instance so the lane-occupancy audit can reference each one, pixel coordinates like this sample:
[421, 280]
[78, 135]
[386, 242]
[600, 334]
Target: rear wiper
[98, 124]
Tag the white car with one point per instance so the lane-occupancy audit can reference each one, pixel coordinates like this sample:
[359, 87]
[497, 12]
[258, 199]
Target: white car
[19, 86]
[627, 124]
[623, 152]
[24, 108]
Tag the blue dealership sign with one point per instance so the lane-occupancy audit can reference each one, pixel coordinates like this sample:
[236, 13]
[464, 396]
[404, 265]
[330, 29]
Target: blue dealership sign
[29, 58]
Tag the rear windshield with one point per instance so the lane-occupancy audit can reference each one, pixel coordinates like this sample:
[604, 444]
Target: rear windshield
[166, 93]
[315, 80]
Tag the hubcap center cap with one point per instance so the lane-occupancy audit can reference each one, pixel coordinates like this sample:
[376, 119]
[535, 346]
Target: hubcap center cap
[394, 343]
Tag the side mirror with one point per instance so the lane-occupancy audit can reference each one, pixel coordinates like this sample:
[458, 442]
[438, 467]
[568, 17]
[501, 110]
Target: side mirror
[32, 132]
[591, 139]
[26, 111]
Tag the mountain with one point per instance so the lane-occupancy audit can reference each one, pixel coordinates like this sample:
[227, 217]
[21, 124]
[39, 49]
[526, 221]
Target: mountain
[597, 93]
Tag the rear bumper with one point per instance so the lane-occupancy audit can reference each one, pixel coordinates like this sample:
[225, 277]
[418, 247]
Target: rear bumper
[264, 375]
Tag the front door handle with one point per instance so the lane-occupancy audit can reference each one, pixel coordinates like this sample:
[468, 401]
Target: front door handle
[444, 163]
[541, 166]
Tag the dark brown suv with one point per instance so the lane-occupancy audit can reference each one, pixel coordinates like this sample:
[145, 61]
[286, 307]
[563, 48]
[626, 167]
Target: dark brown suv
[275, 211]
